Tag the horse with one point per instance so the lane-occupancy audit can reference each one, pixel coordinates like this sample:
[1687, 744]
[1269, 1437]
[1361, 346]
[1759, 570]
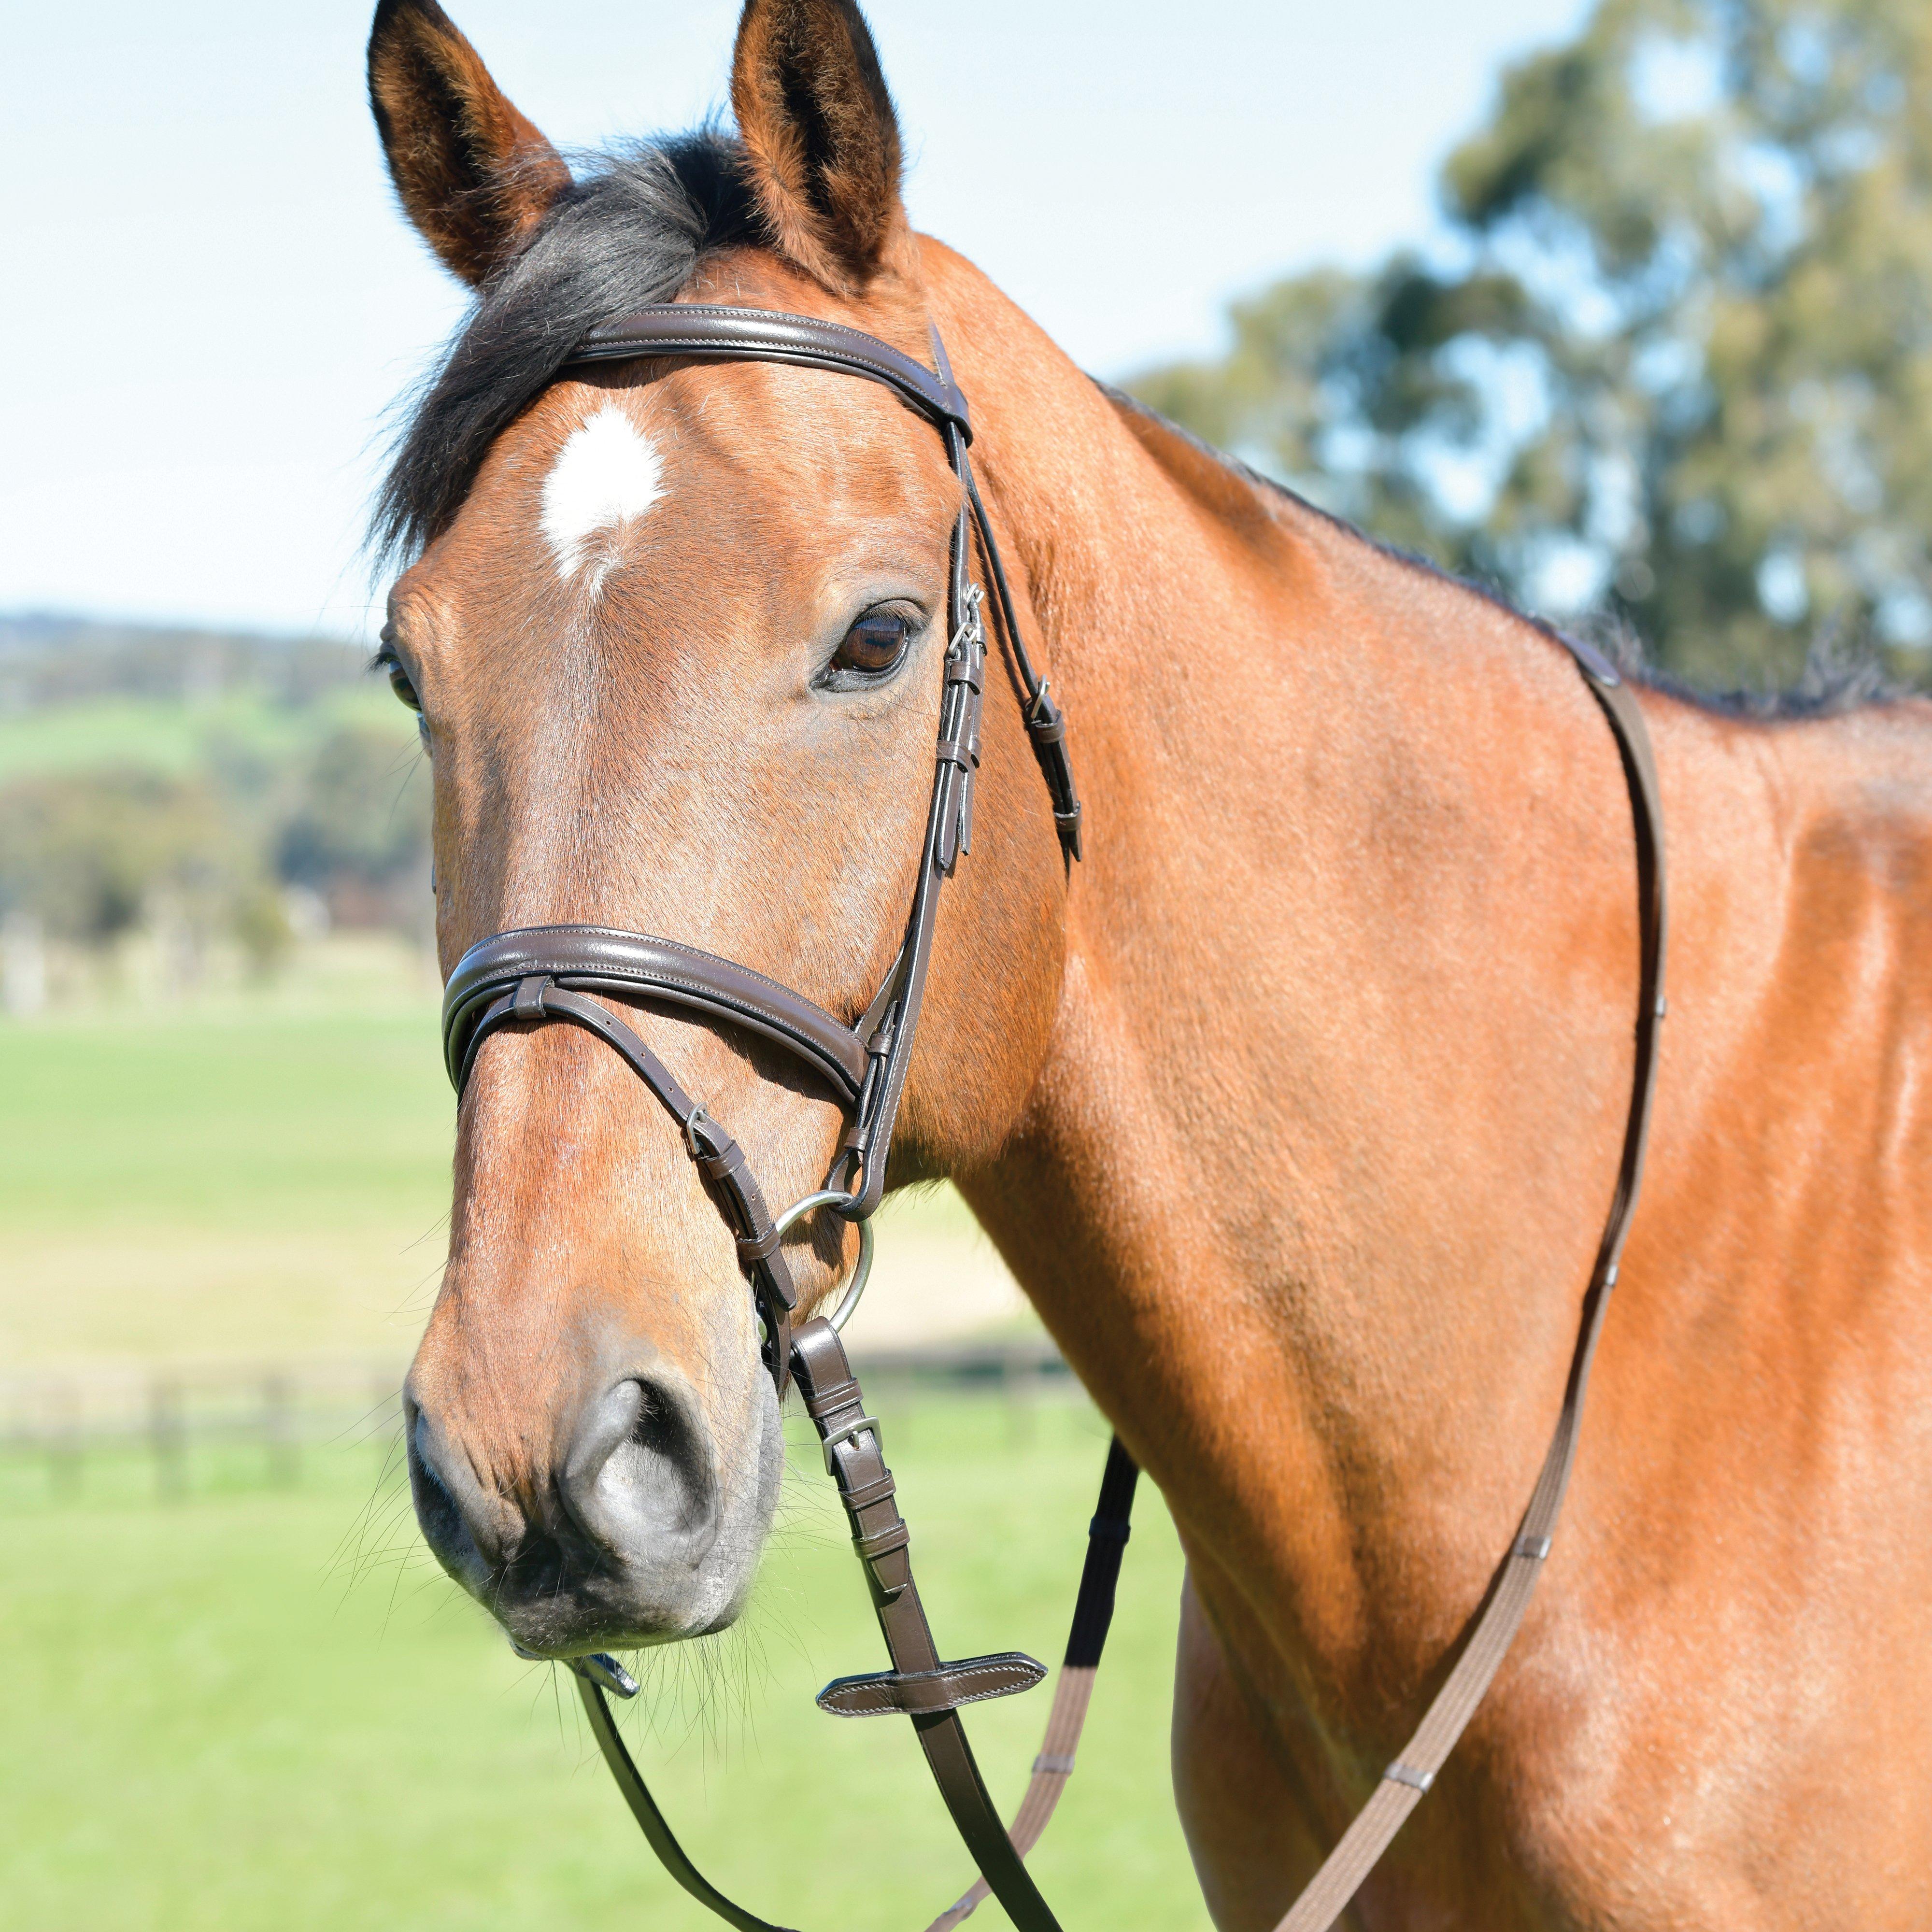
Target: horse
[1294, 1107]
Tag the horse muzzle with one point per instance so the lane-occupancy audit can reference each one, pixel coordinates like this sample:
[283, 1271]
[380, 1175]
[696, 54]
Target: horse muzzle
[628, 1535]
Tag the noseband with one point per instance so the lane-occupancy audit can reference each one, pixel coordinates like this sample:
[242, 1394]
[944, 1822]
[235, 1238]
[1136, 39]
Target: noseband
[554, 973]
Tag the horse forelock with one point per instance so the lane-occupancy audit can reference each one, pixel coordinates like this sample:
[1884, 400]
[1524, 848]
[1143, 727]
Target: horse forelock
[631, 230]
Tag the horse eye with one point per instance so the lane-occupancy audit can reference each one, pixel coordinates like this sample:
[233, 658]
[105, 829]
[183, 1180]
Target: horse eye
[406, 692]
[874, 643]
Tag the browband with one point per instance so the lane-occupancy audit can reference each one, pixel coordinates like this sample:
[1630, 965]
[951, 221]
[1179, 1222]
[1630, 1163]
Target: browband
[719, 334]
[716, 332]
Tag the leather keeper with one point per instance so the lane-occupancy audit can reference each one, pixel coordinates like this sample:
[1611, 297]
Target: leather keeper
[822, 1404]
[891, 1574]
[720, 1162]
[1045, 721]
[881, 1543]
[1067, 824]
[918, 1693]
[863, 1495]
[757, 1248]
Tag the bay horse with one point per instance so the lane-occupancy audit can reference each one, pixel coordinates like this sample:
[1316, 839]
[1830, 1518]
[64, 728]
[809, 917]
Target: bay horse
[1294, 1108]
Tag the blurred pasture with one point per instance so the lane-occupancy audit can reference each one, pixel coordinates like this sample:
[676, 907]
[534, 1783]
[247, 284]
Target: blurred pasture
[250, 1707]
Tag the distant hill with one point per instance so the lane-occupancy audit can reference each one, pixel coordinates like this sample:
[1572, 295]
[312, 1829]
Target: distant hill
[49, 659]
[81, 694]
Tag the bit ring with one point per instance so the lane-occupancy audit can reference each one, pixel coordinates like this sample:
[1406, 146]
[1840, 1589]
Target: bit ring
[832, 1197]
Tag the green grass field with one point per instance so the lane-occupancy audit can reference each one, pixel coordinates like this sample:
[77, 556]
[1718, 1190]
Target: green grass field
[256, 1176]
[251, 1707]
[264, 1709]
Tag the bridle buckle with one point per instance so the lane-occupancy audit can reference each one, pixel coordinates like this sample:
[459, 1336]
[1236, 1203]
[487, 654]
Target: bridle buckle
[866, 1425]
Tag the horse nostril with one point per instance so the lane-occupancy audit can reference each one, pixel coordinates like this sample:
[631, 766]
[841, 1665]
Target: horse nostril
[449, 1507]
[638, 1479]
[618, 1540]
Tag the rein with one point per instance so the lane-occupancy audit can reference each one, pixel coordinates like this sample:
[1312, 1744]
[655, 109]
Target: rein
[552, 973]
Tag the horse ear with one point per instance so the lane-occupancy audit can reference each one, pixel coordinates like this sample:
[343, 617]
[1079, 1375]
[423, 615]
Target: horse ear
[475, 177]
[820, 135]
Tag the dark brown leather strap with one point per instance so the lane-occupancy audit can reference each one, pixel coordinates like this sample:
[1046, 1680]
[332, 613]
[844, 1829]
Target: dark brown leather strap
[974, 1680]
[1045, 722]
[658, 1833]
[855, 1454]
[715, 332]
[598, 959]
[949, 834]
[1414, 1768]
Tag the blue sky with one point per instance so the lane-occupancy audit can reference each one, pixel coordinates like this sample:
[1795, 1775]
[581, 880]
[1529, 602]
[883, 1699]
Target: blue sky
[212, 301]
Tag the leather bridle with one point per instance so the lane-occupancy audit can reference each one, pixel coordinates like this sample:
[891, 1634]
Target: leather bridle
[546, 972]
[555, 973]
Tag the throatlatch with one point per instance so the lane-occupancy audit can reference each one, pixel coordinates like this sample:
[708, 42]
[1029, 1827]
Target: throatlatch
[551, 973]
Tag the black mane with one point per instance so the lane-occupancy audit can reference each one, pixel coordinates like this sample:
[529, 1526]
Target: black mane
[629, 231]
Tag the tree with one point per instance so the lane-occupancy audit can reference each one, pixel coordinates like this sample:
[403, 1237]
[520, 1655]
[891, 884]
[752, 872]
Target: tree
[88, 852]
[359, 835]
[1674, 357]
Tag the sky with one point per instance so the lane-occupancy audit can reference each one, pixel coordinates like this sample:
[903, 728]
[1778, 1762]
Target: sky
[213, 303]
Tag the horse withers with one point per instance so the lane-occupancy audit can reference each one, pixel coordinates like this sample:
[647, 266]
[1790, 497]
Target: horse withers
[1296, 1107]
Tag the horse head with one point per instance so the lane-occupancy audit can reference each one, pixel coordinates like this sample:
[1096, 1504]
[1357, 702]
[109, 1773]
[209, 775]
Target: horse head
[674, 628]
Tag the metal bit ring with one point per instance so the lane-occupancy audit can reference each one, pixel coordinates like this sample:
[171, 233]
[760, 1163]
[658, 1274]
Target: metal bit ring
[832, 1197]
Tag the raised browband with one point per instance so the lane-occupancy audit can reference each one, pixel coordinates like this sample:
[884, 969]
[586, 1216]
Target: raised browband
[599, 959]
[757, 335]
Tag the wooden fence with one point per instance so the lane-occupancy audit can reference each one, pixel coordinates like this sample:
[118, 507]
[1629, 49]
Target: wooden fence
[262, 1424]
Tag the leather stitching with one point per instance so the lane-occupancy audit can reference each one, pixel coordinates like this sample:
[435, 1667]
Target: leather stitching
[758, 339]
[739, 1002]
[1015, 1676]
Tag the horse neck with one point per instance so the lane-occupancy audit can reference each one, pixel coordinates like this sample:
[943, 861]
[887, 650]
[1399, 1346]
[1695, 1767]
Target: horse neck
[1309, 1185]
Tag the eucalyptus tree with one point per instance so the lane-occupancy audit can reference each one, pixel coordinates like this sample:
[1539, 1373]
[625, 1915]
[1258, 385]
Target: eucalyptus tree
[1672, 358]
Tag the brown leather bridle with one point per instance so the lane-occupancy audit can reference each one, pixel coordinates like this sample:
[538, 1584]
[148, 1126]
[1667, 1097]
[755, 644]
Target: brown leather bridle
[553, 973]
